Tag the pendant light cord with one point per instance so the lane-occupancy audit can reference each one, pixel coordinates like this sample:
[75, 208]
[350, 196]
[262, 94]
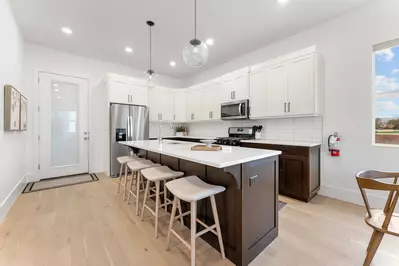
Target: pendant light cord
[150, 48]
[195, 19]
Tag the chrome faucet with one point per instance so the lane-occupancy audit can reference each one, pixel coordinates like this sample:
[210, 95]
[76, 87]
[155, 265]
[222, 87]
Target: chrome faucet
[160, 138]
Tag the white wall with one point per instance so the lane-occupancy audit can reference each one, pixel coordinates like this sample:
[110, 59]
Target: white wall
[38, 58]
[346, 45]
[12, 144]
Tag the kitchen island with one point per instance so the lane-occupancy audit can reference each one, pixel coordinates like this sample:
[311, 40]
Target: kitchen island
[248, 209]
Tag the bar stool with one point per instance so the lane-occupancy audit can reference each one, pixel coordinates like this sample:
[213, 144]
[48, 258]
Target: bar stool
[135, 167]
[123, 179]
[192, 189]
[157, 175]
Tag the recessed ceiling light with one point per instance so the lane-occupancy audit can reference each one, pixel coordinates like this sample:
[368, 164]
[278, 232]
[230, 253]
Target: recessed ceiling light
[56, 90]
[128, 49]
[209, 41]
[172, 63]
[283, 2]
[59, 97]
[55, 85]
[66, 30]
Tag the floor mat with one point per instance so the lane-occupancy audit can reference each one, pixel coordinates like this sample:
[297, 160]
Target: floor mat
[58, 182]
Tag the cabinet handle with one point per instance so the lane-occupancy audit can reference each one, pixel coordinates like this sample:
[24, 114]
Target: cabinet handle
[231, 95]
[289, 107]
[161, 116]
[174, 117]
[234, 95]
[285, 107]
[252, 180]
[211, 114]
[128, 98]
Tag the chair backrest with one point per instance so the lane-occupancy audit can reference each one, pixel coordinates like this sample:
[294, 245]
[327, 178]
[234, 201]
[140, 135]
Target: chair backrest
[371, 180]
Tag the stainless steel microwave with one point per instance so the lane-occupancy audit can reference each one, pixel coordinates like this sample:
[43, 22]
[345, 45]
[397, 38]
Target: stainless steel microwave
[235, 110]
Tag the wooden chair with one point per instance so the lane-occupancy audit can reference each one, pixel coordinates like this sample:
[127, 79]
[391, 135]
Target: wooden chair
[382, 221]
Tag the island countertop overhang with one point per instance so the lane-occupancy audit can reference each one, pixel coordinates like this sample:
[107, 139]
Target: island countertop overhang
[228, 156]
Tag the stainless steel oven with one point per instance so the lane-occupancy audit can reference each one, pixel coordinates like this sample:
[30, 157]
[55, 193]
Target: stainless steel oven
[235, 110]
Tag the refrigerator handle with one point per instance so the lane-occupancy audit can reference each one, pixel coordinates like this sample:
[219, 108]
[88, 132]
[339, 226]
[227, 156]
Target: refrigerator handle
[127, 128]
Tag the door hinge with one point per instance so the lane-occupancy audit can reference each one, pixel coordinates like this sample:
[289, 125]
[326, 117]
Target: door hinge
[38, 167]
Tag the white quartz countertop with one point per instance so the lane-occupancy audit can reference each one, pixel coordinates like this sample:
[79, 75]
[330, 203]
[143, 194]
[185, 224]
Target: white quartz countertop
[228, 156]
[282, 142]
[187, 137]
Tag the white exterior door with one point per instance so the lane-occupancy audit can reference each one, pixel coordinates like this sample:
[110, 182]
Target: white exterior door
[63, 131]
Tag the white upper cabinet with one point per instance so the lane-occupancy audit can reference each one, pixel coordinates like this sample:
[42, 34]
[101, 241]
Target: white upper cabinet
[126, 93]
[257, 93]
[180, 96]
[210, 101]
[193, 105]
[235, 86]
[301, 85]
[276, 90]
[161, 103]
[286, 86]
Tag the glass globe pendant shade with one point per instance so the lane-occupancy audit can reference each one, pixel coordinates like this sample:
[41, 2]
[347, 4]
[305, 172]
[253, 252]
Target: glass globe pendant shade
[195, 54]
[151, 79]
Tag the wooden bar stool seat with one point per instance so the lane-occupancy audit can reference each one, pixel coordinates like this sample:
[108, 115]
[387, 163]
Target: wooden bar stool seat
[135, 167]
[193, 189]
[157, 175]
[382, 221]
[123, 179]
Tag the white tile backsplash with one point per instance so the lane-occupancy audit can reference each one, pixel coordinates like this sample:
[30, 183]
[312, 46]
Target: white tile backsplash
[305, 129]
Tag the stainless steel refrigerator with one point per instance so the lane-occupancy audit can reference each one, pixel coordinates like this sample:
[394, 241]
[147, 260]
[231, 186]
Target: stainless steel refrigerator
[127, 123]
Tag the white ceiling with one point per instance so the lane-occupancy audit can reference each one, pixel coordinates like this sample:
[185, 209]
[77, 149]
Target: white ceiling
[102, 28]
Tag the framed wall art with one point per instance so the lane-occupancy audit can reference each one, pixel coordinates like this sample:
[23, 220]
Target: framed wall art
[23, 120]
[12, 108]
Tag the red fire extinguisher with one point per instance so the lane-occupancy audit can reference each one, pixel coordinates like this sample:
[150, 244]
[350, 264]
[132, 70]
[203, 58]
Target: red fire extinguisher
[334, 144]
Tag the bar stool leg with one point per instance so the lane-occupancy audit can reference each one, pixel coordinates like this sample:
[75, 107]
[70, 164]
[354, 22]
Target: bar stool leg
[124, 192]
[120, 178]
[165, 196]
[216, 217]
[147, 188]
[157, 189]
[138, 183]
[172, 218]
[180, 212]
[193, 230]
[131, 187]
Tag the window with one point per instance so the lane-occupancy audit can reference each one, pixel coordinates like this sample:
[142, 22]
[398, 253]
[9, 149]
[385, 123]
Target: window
[386, 93]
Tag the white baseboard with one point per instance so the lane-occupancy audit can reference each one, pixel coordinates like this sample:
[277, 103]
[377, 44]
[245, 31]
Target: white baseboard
[351, 196]
[11, 198]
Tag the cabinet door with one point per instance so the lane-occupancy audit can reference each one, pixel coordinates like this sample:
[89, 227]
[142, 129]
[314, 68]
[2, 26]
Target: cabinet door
[154, 103]
[118, 92]
[138, 94]
[301, 85]
[276, 88]
[193, 104]
[240, 88]
[180, 106]
[257, 94]
[167, 104]
[293, 172]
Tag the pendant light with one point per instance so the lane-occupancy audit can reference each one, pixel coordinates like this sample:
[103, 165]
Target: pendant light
[195, 54]
[150, 73]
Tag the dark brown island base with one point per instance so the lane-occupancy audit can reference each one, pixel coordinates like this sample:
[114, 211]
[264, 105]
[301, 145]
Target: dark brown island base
[248, 209]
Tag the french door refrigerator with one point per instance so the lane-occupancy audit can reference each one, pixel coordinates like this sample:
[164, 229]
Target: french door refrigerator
[127, 123]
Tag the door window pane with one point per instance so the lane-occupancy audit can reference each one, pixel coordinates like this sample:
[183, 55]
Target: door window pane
[64, 123]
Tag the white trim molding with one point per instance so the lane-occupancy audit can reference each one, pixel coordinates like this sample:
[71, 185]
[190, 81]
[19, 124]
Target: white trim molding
[11, 198]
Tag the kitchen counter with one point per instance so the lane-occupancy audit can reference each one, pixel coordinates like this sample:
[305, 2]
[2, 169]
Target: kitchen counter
[282, 142]
[228, 156]
[248, 208]
[185, 137]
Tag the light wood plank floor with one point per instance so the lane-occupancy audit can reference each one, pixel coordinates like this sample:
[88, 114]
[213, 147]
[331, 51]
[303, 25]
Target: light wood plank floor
[89, 224]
